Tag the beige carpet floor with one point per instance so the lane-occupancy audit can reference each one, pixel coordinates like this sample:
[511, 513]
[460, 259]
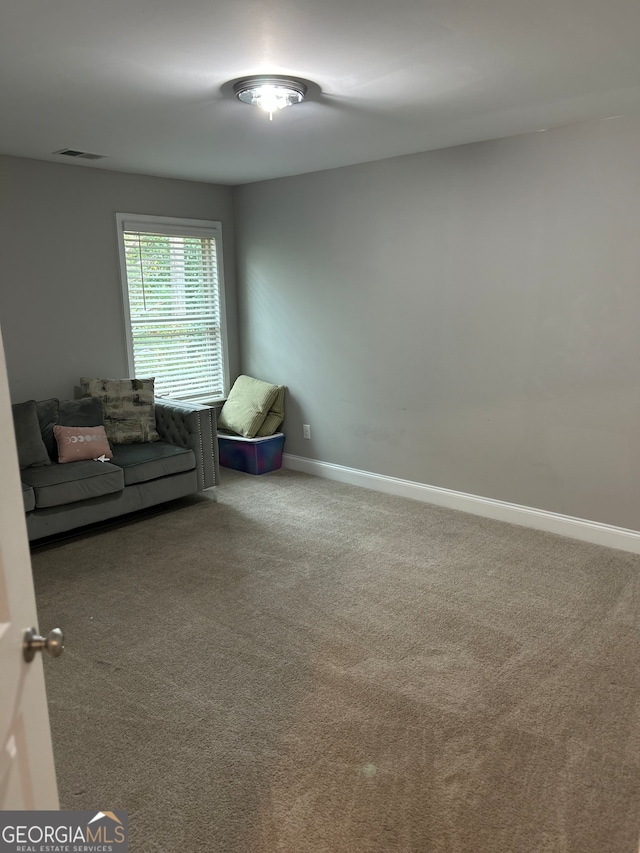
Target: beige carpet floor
[308, 667]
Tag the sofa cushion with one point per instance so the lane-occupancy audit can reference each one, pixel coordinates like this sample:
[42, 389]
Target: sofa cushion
[28, 497]
[48, 417]
[80, 413]
[128, 407]
[57, 485]
[142, 462]
[31, 448]
[86, 412]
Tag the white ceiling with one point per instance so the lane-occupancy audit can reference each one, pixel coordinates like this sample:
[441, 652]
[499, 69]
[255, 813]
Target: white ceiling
[146, 82]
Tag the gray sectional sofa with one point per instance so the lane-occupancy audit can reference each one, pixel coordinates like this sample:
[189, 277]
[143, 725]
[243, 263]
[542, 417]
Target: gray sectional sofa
[61, 497]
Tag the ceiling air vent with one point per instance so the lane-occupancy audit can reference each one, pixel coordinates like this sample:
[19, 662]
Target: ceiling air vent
[79, 155]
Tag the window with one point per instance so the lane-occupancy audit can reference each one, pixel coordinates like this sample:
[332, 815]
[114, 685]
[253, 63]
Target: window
[173, 295]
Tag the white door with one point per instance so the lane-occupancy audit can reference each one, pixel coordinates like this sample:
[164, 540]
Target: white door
[27, 776]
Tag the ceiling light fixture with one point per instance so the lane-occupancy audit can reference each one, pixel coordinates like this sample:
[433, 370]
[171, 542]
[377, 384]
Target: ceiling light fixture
[270, 93]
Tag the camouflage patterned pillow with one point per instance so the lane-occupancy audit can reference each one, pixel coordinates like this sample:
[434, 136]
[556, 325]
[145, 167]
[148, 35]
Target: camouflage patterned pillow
[128, 408]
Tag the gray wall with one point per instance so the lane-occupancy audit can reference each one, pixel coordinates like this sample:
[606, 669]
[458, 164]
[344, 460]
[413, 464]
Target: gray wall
[466, 318]
[60, 294]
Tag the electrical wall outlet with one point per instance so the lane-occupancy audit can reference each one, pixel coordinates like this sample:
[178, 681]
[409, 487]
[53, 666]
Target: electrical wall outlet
[306, 431]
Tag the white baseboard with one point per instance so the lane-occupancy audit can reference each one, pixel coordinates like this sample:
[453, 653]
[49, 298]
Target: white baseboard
[552, 522]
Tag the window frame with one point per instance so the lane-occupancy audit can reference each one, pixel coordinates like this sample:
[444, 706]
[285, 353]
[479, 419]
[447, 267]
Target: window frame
[174, 226]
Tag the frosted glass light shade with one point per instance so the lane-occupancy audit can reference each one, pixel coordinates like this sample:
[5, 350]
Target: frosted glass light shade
[270, 93]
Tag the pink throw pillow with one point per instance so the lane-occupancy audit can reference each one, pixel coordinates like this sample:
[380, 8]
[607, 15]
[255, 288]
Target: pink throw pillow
[76, 443]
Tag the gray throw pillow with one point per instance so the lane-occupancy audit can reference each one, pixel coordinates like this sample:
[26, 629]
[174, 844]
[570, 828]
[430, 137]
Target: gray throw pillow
[86, 412]
[48, 416]
[32, 451]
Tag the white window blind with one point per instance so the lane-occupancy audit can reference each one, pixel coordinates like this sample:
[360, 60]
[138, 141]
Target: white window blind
[173, 299]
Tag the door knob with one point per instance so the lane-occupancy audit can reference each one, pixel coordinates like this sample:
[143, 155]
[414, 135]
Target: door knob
[32, 643]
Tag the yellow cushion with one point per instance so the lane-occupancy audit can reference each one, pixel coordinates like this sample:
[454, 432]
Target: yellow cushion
[247, 406]
[275, 415]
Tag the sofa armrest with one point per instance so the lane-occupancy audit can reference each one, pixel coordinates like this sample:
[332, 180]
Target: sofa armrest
[192, 426]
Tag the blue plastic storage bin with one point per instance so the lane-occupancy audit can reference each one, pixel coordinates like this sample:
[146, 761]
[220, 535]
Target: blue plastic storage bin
[251, 455]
